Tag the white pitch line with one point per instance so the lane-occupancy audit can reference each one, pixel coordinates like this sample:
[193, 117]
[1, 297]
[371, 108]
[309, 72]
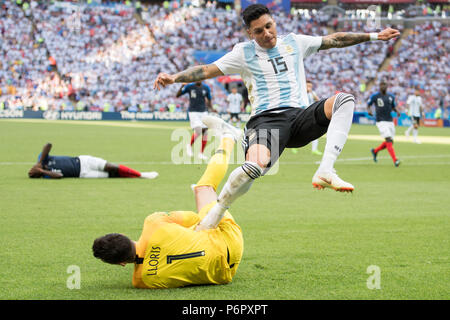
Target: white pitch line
[399, 138]
[432, 156]
[402, 157]
[166, 126]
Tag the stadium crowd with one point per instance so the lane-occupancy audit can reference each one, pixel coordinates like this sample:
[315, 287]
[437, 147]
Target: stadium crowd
[26, 77]
[347, 69]
[422, 61]
[106, 57]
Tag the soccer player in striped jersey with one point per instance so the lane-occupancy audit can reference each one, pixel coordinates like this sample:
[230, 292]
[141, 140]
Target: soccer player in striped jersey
[235, 105]
[312, 97]
[273, 72]
[181, 248]
[415, 111]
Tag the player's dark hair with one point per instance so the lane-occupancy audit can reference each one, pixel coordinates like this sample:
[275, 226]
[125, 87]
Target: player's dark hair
[113, 248]
[253, 12]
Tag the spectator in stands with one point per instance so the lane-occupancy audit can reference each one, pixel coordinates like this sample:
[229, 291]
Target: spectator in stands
[111, 57]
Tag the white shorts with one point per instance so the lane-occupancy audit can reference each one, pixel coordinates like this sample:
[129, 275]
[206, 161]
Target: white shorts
[92, 167]
[195, 118]
[386, 128]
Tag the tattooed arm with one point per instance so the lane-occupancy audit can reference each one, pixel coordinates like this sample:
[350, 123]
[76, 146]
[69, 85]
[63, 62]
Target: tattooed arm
[197, 73]
[345, 39]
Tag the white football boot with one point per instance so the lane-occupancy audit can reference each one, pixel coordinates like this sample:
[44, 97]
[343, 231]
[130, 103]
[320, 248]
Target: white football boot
[331, 180]
[149, 175]
[221, 127]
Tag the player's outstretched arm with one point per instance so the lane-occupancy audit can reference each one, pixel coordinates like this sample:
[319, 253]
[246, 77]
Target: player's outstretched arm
[36, 170]
[45, 152]
[51, 174]
[346, 39]
[197, 73]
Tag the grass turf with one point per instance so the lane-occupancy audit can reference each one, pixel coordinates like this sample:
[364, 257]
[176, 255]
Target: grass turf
[300, 243]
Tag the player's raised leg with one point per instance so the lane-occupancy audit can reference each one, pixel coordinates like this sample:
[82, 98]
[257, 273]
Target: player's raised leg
[339, 109]
[240, 180]
[205, 189]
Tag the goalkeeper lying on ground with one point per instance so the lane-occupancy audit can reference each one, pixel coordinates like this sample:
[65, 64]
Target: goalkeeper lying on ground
[181, 248]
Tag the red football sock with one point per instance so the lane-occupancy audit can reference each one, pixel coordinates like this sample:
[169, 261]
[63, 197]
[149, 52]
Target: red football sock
[391, 151]
[380, 147]
[126, 172]
[204, 141]
[193, 138]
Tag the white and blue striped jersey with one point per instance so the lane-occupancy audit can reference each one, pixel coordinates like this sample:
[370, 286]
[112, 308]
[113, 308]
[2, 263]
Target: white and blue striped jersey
[235, 101]
[275, 78]
[415, 105]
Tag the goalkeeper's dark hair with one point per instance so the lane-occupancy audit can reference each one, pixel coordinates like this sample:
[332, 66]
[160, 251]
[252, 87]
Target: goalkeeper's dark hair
[253, 12]
[114, 248]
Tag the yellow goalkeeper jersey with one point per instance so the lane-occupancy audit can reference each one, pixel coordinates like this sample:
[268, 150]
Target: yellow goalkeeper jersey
[171, 254]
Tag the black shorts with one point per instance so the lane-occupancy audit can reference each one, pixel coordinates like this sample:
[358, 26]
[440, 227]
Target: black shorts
[234, 115]
[415, 120]
[278, 129]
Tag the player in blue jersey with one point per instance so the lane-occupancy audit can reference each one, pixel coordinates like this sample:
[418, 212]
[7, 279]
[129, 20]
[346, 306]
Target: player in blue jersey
[199, 100]
[384, 104]
[57, 167]
[273, 72]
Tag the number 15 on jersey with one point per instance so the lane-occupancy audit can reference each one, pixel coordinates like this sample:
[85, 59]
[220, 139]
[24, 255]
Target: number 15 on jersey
[278, 65]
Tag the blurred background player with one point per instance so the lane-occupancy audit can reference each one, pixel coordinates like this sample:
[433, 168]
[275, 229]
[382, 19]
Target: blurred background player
[312, 97]
[199, 97]
[415, 105]
[235, 106]
[57, 167]
[384, 103]
[181, 248]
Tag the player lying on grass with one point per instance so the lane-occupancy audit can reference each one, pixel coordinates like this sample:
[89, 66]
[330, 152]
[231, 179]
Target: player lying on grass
[273, 72]
[57, 167]
[181, 248]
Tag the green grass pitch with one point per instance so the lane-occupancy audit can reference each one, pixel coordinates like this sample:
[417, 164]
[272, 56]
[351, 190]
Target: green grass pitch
[300, 243]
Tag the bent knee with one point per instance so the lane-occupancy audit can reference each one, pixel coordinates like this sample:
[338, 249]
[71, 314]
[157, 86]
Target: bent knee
[346, 100]
[252, 169]
[259, 154]
[338, 101]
